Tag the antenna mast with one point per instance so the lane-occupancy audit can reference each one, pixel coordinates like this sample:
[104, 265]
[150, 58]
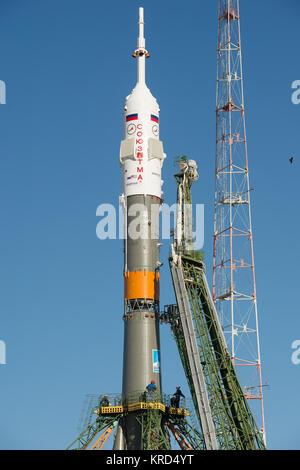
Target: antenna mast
[234, 289]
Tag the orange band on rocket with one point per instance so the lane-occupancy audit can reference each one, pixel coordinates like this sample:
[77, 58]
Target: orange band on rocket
[141, 285]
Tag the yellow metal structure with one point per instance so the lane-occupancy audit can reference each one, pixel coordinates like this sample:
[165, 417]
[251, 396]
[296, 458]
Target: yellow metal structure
[109, 410]
[178, 411]
[103, 410]
[102, 439]
[146, 406]
[184, 445]
[150, 414]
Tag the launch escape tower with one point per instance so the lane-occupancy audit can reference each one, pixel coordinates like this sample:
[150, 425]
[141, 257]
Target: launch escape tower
[234, 289]
[219, 416]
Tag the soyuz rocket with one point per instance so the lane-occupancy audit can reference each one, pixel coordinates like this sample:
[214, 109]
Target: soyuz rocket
[141, 160]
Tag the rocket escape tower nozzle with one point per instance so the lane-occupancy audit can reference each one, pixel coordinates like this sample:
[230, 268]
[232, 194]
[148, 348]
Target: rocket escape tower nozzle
[141, 53]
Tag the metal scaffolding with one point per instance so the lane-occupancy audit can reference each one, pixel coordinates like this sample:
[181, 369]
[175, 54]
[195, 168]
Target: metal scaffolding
[154, 414]
[234, 288]
[225, 417]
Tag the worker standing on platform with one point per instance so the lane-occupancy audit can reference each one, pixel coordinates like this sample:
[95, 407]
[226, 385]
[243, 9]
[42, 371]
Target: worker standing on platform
[151, 387]
[104, 401]
[177, 396]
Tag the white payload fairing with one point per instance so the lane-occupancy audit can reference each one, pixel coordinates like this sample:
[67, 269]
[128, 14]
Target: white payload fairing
[141, 160]
[141, 154]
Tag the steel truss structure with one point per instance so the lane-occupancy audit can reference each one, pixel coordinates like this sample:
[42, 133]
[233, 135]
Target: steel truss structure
[234, 288]
[156, 419]
[224, 415]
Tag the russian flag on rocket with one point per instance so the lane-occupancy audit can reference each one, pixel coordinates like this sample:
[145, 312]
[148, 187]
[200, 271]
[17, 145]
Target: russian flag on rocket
[132, 117]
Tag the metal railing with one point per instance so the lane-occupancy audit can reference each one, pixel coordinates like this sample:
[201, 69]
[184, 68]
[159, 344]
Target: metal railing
[138, 396]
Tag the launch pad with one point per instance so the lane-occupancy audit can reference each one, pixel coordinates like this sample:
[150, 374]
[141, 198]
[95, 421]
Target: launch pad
[154, 418]
[144, 420]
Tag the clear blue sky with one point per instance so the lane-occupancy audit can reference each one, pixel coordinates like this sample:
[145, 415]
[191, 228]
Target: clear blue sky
[67, 67]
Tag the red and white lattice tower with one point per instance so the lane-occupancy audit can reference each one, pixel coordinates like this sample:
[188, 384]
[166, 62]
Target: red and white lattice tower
[234, 289]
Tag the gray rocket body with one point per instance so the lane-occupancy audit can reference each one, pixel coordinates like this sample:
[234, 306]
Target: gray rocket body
[141, 160]
[141, 357]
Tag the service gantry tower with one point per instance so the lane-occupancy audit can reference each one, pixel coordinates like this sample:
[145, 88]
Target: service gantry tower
[234, 290]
